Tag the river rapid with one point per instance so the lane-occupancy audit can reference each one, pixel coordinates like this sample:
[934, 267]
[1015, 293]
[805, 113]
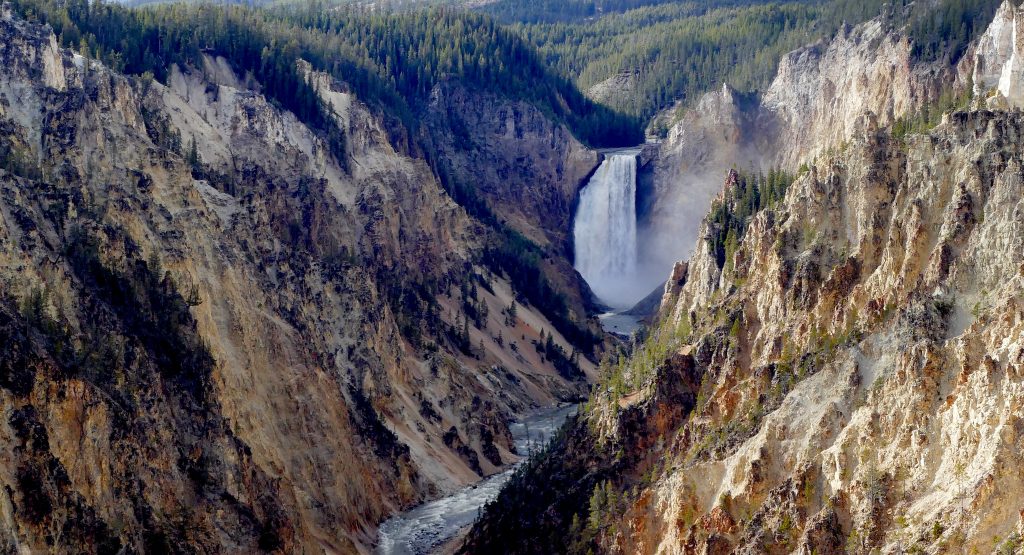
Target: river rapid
[426, 527]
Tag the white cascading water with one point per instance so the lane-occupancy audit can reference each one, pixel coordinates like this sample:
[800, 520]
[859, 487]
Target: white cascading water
[605, 230]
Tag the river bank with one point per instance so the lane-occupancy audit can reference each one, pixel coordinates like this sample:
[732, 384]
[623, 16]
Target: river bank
[428, 527]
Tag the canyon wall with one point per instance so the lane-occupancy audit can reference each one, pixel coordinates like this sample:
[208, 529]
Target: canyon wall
[812, 106]
[845, 376]
[218, 335]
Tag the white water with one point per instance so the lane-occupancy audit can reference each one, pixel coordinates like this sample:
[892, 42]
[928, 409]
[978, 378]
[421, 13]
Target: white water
[622, 325]
[605, 231]
[424, 528]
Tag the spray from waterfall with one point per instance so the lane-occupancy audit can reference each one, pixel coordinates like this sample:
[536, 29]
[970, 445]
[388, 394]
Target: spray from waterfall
[605, 231]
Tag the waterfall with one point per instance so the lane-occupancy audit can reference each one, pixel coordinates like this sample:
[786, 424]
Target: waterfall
[605, 230]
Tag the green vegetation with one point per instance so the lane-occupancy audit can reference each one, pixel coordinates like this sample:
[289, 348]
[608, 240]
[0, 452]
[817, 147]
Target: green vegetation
[13, 157]
[391, 60]
[510, 254]
[674, 50]
[567, 365]
[930, 116]
[677, 51]
[944, 30]
[629, 372]
[745, 196]
[1013, 545]
[519, 259]
[149, 41]
[413, 51]
[544, 499]
[548, 11]
[146, 301]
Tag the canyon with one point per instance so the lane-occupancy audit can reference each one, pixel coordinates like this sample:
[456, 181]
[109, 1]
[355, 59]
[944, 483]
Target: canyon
[226, 326]
[845, 375]
[206, 316]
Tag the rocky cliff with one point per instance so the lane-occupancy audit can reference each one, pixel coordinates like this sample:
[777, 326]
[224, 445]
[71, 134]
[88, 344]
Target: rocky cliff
[858, 363]
[995, 64]
[843, 377]
[526, 168]
[848, 380]
[811, 107]
[529, 168]
[219, 336]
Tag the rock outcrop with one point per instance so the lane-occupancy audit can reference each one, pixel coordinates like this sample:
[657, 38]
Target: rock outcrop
[813, 105]
[619, 90]
[721, 131]
[851, 375]
[215, 335]
[844, 376]
[527, 169]
[998, 66]
[859, 390]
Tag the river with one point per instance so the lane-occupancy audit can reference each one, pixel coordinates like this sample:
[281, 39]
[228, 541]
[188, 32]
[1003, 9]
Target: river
[428, 526]
[622, 325]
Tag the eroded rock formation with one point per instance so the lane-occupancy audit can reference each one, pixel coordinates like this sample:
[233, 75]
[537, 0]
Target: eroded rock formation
[848, 376]
[219, 335]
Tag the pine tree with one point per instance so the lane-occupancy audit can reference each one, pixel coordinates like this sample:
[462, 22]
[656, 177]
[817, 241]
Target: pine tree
[192, 156]
[597, 507]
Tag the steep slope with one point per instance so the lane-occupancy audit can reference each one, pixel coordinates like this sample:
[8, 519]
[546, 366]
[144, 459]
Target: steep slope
[219, 336]
[847, 380]
[811, 107]
[866, 369]
[996, 60]
[845, 375]
[525, 169]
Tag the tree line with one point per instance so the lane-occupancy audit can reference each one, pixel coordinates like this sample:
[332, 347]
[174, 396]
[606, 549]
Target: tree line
[674, 52]
[391, 60]
[746, 194]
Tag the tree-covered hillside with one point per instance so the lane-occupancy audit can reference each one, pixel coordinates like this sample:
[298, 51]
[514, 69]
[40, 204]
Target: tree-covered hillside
[392, 60]
[549, 11]
[415, 50]
[394, 51]
[671, 52]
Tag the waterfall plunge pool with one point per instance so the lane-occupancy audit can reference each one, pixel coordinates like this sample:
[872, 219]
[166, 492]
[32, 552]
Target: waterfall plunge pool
[620, 324]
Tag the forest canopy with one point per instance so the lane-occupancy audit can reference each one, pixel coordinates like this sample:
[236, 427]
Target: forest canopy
[391, 60]
[669, 52]
[541, 51]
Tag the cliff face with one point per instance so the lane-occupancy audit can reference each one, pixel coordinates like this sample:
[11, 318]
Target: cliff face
[619, 90]
[821, 91]
[811, 107]
[526, 168]
[848, 380]
[844, 376]
[216, 336]
[720, 132]
[998, 66]
[860, 361]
